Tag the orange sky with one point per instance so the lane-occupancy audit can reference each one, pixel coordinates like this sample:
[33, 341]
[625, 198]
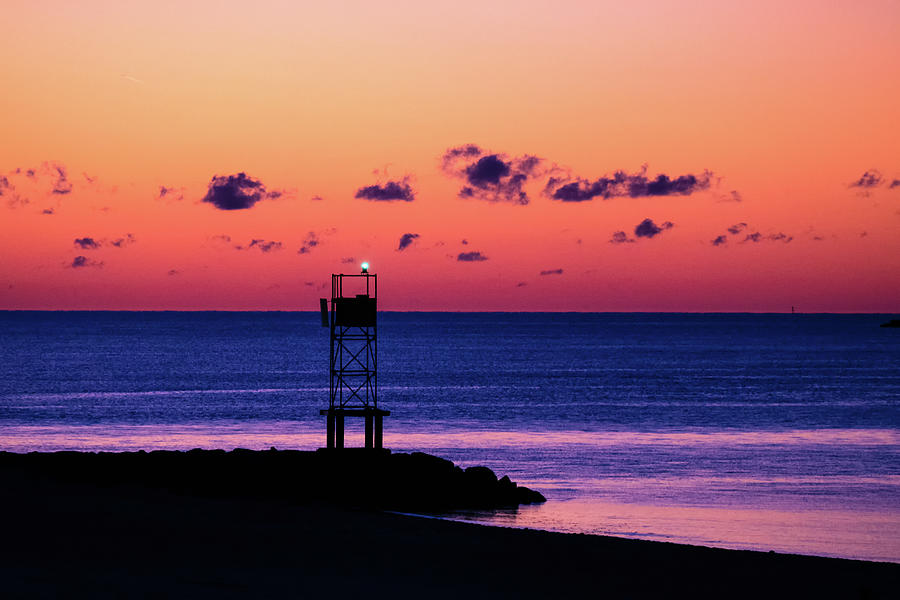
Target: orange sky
[787, 104]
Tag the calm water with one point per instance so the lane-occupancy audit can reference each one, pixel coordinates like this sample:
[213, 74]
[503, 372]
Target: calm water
[770, 432]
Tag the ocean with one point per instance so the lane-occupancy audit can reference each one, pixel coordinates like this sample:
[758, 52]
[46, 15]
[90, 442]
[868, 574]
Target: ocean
[751, 431]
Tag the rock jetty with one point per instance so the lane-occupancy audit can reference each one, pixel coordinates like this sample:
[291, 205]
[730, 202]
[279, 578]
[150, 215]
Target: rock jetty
[350, 477]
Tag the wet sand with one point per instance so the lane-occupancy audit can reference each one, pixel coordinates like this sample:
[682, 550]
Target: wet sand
[62, 538]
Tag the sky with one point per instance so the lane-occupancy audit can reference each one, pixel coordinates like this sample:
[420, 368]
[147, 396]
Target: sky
[503, 156]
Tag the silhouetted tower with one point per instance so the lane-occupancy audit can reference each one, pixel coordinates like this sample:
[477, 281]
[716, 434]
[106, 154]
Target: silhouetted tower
[353, 362]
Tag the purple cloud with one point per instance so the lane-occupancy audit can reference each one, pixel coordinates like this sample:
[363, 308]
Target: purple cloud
[648, 229]
[264, 246]
[406, 240]
[312, 240]
[869, 179]
[620, 237]
[87, 243]
[170, 193]
[471, 257]
[756, 237]
[236, 192]
[389, 192]
[492, 177]
[61, 184]
[123, 241]
[80, 262]
[622, 184]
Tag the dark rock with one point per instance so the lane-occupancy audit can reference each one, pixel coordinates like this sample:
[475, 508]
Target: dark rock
[526, 495]
[480, 476]
[350, 477]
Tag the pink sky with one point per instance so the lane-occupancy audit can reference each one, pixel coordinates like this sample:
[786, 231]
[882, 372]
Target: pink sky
[776, 111]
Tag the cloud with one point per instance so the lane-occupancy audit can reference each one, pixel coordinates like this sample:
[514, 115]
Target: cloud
[521, 284]
[493, 177]
[61, 184]
[8, 191]
[471, 257]
[648, 229]
[552, 272]
[54, 172]
[869, 179]
[464, 242]
[406, 240]
[894, 183]
[863, 234]
[621, 184]
[87, 243]
[221, 238]
[389, 192]
[453, 155]
[317, 198]
[756, 237]
[348, 260]
[620, 237]
[733, 196]
[265, 246]
[123, 241]
[311, 241]
[170, 193]
[237, 192]
[48, 211]
[82, 261]
[173, 272]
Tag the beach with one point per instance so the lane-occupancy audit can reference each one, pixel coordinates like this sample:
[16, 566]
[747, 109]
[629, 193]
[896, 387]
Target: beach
[66, 538]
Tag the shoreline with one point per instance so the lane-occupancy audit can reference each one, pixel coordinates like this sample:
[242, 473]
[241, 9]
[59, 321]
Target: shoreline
[452, 519]
[75, 538]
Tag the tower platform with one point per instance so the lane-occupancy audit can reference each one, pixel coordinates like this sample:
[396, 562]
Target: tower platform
[334, 424]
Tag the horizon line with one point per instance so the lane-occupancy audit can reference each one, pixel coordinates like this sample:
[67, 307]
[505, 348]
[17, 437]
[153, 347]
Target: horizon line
[316, 312]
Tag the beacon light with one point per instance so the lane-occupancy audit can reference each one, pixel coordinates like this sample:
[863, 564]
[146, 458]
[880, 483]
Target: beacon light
[365, 267]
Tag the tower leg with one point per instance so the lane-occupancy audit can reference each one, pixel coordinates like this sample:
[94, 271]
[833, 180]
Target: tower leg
[339, 431]
[379, 429]
[369, 430]
[329, 430]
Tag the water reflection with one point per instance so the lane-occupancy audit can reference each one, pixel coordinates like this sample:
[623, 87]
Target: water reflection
[865, 536]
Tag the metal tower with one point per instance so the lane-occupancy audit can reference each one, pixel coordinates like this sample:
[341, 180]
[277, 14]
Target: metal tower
[353, 362]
